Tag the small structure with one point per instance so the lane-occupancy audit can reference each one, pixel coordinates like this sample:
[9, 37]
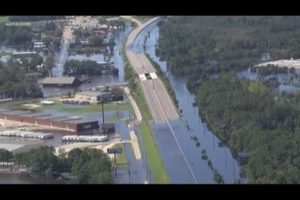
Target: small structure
[61, 81]
[99, 96]
[107, 128]
[243, 157]
[47, 102]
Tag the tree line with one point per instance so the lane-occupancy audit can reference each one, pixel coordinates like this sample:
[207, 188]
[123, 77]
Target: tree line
[88, 166]
[88, 67]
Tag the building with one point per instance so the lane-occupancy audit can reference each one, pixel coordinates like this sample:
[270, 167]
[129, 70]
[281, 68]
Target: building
[107, 128]
[23, 53]
[93, 96]
[61, 81]
[68, 124]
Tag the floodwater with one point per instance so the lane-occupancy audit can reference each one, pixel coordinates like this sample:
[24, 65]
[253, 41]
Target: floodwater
[25, 179]
[176, 166]
[94, 80]
[290, 88]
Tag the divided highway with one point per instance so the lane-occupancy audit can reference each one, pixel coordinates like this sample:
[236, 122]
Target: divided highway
[157, 97]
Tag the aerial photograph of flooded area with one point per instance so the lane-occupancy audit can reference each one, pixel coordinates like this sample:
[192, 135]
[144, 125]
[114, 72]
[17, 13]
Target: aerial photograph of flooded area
[149, 99]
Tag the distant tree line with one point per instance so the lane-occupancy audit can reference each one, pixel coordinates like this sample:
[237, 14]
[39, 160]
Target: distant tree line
[88, 67]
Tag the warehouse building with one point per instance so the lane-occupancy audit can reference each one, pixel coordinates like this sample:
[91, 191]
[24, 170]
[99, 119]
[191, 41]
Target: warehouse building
[69, 124]
[99, 96]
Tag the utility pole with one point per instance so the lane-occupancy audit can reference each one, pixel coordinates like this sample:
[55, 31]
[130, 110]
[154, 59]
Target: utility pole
[103, 125]
[102, 112]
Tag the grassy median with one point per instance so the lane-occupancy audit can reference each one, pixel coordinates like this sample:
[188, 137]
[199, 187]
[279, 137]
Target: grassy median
[155, 161]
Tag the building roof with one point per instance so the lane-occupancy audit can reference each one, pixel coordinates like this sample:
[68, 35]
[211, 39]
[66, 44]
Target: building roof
[59, 80]
[81, 121]
[91, 93]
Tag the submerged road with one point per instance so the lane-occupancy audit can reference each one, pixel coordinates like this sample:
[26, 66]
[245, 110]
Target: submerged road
[160, 104]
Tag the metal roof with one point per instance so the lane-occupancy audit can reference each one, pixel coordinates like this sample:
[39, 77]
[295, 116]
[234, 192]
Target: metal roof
[81, 121]
[91, 93]
[58, 80]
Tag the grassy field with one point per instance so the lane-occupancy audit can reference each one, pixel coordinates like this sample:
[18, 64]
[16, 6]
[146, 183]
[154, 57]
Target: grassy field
[96, 108]
[114, 117]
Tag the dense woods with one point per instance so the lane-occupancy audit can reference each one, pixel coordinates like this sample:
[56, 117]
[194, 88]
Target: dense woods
[16, 36]
[14, 83]
[244, 114]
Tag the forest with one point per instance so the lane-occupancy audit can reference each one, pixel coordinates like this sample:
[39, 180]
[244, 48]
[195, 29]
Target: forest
[246, 116]
[14, 83]
[16, 36]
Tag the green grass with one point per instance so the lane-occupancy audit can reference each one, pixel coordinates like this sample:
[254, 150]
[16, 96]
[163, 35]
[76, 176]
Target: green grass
[114, 117]
[142, 104]
[96, 108]
[4, 19]
[153, 154]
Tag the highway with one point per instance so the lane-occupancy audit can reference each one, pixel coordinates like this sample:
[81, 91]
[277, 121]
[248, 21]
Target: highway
[153, 88]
